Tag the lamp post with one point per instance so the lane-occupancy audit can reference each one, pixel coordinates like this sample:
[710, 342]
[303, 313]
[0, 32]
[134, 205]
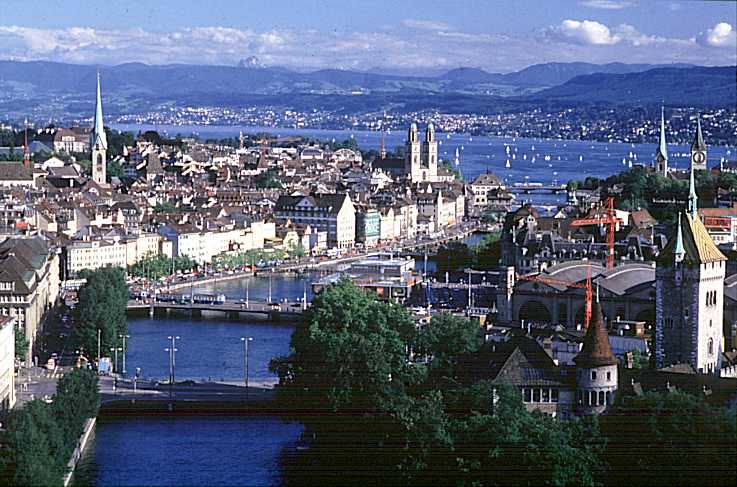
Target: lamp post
[115, 350]
[99, 333]
[271, 273]
[125, 350]
[245, 341]
[247, 293]
[172, 362]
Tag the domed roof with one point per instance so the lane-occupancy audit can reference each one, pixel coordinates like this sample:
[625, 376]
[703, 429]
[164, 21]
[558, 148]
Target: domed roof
[596, 350]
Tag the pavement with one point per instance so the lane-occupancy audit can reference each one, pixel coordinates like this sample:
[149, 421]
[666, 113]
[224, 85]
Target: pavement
[37, 383]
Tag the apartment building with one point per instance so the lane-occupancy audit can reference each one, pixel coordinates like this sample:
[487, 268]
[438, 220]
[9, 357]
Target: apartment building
[333, 213]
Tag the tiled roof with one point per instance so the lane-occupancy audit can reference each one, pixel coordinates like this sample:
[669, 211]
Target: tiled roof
[596, 350]
[699, 247]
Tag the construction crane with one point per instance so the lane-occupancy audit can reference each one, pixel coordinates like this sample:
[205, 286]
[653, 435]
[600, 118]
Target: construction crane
[586, 285]
[609, 218]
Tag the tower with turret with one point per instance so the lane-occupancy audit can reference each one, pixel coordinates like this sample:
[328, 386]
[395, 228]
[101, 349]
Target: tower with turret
[661, 154]
[98, 142]
[689, 303]
[596, 367]
[698, 149]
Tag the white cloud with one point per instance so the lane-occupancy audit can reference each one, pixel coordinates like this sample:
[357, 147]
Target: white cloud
[427, 47]
[425, 24]
[588, 32]
[606, 4]
[721, 35]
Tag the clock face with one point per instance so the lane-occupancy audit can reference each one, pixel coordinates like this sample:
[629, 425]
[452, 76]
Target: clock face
[699, 157]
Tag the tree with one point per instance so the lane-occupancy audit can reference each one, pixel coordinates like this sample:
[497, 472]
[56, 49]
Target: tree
[165, 207]
[113, 169]
[448, 166]
[352, 352]
[680, 440]
[102, 305]
[21, 342]
[443, 340]
[268, 179]
[455, 256]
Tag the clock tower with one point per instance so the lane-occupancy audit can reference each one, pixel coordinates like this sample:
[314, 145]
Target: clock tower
[698, 149]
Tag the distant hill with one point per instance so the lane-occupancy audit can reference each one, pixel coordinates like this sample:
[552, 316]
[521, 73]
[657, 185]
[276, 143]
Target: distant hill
[59, 89]
[710, 86]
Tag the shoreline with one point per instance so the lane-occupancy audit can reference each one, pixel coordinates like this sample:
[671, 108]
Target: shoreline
[89, 428]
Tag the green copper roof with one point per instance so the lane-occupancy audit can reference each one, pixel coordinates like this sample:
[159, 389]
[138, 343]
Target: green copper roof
[698, 141]
[679, 251]
[662, 147]
[98, 131]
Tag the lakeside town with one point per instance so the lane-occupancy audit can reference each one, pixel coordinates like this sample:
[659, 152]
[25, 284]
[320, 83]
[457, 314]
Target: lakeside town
[368, 243]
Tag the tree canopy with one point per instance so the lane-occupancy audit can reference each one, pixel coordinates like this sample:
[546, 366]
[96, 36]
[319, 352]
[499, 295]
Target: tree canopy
[102, 306]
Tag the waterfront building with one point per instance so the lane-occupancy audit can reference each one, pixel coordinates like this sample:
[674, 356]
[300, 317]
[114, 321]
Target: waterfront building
[98, 142]
[421, 157]
[485, 184]
[94, 254]
[368, 227]
[7, 363]
[333, 213]
[690, 296]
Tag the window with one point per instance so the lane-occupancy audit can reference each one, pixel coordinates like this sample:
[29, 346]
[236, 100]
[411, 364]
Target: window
[710, 346]
[536, 395]
[601, 398]
[593, 375]
[527, 393]
[608, 376]
[608, 397]
[553, 395]
[546, 394]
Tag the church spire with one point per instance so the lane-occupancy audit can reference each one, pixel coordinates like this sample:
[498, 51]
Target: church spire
[98, 131]
[698, 141]
[679, 251]
[693, 199]
[662, 146]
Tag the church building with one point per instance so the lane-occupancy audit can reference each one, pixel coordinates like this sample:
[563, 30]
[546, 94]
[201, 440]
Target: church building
[98, 142]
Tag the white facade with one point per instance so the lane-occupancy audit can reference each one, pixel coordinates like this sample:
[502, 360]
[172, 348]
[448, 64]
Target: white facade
[7, 363]
[95, 254]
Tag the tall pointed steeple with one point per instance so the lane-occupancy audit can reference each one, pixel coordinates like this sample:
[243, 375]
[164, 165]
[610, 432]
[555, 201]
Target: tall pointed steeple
[693, 199]
[661, 155]
[698, 148]
[98, 142]
[679, 252]
[98, 131]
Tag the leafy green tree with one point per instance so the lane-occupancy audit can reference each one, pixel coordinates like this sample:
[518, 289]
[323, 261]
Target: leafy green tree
[114, 169]
[455, 256]
[102, 306]
[352, 352]
[678, 439]
[443, 340]
[268, 179]
[448, 166]
[165, 207]
[21, 342]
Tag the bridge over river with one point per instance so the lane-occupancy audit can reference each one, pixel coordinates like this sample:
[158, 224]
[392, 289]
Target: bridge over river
[233, 308]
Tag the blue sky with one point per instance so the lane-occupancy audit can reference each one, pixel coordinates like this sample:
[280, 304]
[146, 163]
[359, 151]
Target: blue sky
[389, 35]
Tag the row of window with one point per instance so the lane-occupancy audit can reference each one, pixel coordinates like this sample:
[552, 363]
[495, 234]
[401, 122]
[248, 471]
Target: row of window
[539, 394]
[711, 298]
[595, 398]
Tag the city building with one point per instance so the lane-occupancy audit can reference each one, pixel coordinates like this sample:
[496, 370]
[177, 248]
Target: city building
[333, 213]
[29, 284]
[690, 296]
[661, 154]
[421, 157]
[7, 363]
[698, 149]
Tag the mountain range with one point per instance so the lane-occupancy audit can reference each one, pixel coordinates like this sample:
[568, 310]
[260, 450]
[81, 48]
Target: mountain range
[134, 84]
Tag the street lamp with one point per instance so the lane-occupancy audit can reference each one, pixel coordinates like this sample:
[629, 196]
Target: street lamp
[124, 338]
[245, 341]
[115, 364]
[172, 358]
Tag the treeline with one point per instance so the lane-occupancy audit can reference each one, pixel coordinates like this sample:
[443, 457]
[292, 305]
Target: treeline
[456, 256]
[40, 438]
[157, 266]
[663, 197]
[102, 306]
[391, 405]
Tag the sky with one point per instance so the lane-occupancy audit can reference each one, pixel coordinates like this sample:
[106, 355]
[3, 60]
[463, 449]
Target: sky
[402, 36]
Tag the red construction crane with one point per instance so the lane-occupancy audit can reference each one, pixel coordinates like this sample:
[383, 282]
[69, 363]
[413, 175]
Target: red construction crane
[579, 285]
[609, 218]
